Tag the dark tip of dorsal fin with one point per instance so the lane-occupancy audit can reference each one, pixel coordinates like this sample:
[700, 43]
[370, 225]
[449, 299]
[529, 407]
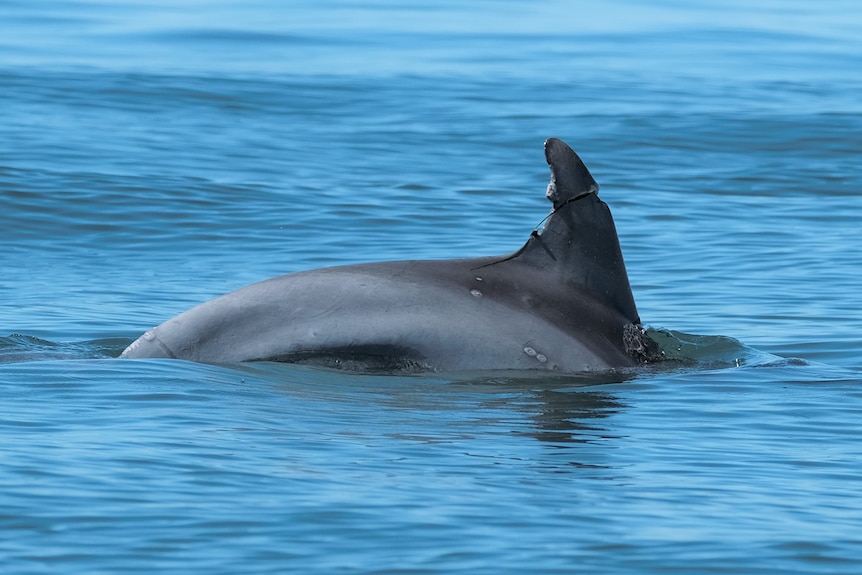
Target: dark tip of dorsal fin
[569, 176]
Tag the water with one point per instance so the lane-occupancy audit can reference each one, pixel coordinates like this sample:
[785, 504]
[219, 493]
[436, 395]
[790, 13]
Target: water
[155, 155]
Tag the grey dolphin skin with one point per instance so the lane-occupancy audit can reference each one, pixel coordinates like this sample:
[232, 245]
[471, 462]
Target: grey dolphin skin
[561, 302]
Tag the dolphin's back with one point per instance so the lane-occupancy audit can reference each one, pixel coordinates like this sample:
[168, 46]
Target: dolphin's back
[429, 315]
[562, 301]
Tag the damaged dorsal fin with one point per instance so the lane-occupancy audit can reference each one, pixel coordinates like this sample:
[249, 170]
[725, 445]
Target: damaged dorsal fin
[579, 238]
[569, 176]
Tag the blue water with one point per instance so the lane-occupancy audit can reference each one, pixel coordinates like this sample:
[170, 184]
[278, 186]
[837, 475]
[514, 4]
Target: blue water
[156, 155]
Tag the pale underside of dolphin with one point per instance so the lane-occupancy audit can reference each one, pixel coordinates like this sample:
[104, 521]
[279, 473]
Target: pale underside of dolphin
[561, 302]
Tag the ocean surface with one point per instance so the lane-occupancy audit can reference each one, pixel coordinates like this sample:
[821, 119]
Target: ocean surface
[154, 155]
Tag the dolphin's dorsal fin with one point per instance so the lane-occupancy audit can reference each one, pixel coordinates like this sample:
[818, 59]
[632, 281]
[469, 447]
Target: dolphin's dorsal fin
[579, 238]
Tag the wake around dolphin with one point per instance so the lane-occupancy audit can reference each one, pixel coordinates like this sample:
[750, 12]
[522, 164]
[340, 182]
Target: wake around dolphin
[561, 302]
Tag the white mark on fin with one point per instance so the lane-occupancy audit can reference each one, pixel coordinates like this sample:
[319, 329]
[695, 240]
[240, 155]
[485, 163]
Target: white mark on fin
[475, 292]
[150, 335]
[530, 351]
[541, 357]
[551, 193]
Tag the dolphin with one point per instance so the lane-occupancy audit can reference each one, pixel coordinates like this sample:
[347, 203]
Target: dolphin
[562, 302]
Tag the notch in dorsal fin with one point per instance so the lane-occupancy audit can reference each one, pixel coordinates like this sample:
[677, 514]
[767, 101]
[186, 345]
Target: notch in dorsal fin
[569, 176]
